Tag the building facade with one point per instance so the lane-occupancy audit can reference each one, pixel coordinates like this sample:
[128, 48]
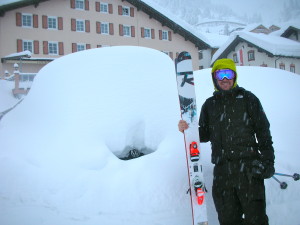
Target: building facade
[250, 49]
[53, 28]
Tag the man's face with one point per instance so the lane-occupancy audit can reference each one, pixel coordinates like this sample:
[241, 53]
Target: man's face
[225, 78]
[225, 84]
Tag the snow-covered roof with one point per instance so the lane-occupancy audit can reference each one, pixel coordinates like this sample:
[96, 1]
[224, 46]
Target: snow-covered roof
[273, 45]
[26, 54]
[178, 21]
[6, 2]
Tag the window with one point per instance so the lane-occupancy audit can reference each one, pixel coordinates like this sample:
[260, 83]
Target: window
[25, 77]
[235, 58]
[125, 11]
[251, 56]
[104, 28]
[147, 33]
[53, 48]
[200, 55]
[165, 35]
[80, 25]
[292, 68]
[80, 47]
[282, 66]
[104, 7]
[52, 22]
[79, 4]
[26, 20]
[127, 30]
[28, 45]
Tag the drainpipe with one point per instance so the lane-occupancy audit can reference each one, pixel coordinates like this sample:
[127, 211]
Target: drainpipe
[276, 61]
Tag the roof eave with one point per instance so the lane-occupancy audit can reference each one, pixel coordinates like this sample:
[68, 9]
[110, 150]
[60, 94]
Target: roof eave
[19, 4]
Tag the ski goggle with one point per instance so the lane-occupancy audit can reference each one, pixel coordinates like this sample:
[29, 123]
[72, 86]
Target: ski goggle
[224, 73]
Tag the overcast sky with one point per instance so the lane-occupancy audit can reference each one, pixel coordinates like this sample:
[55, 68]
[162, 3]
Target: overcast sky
[269, 9]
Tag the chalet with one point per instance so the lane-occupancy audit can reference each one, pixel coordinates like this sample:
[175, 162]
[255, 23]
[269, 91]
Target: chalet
[251, 49]
[50, 29]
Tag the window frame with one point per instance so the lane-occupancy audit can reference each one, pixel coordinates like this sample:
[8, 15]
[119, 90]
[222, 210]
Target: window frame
[104, 28]
[127, 8]
[53, 45]
[80, 25]
[282, 66]
[25, 42]
[102, 4]
[147, 33]
[79, 3]
[165, 35]
[124, 31]
[55, 20]
[80, 47]
[235, 58]
[292, 68]
[24, 21]
[251, 55]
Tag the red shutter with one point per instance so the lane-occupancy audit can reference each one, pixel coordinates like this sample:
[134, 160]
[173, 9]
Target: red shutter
[142, 32]
[97, 6]
[98, 27]
[74, 47]
[87, 26]
[160, 34]
[72, 4]
[152, 33]
[18, 19]
[36, 47]
[45, 22]
[35, 21]
[120, 10]
[60, 48]
[60, 23]
[131, 11]
[19, 45]
[111, 28]
[87, 5]
[45, 47]
[110, 8]
[121, 30]
[132, 31]
[88, 46]
[73, 24]
[170, 35]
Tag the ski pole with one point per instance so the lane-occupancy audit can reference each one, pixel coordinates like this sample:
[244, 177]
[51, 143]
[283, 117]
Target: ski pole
[283, 185]
[295, 176]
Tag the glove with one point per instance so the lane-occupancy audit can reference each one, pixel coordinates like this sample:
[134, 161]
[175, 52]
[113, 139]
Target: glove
[263, 169]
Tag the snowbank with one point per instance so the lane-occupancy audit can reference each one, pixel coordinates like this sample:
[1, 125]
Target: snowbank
[7, 99]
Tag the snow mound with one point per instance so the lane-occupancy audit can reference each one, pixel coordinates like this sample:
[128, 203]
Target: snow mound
[99, 96]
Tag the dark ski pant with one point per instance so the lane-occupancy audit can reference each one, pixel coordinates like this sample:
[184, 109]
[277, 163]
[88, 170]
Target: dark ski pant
[239, 199]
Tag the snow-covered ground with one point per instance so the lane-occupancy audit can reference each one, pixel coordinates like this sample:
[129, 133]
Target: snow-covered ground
[58, 147]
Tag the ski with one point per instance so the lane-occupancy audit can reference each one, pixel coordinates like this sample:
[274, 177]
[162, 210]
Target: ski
[187, 101]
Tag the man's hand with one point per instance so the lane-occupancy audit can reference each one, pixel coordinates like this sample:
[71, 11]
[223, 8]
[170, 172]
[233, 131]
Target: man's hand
[263, 169]
[182, 125]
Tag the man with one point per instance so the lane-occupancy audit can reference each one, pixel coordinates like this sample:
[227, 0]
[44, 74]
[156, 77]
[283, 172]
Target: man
[234, 122]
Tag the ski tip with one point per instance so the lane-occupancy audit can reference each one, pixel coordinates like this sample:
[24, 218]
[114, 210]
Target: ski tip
[183, 56]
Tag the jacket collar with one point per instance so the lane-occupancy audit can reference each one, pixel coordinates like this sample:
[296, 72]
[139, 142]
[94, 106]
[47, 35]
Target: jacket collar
[233, 92]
